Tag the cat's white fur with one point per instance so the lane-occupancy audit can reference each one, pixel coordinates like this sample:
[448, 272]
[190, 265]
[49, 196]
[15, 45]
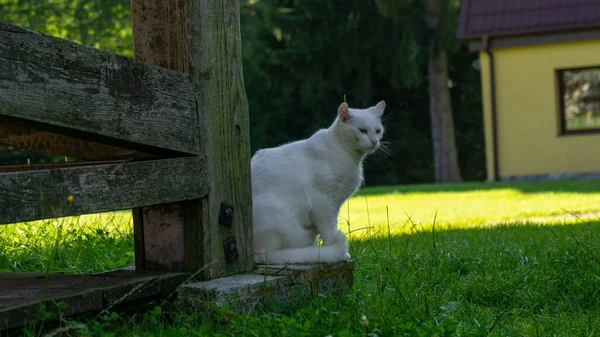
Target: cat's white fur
[298, 188]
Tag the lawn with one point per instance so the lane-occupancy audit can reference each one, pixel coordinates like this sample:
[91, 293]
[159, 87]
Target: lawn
[450, 261]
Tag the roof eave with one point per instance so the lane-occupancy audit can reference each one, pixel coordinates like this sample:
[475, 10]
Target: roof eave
[514, 40]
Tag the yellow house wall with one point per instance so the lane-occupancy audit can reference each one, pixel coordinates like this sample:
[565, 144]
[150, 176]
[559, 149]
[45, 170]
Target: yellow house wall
[527, 112]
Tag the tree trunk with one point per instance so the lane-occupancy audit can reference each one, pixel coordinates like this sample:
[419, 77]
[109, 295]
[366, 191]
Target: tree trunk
[440, 110]
[440, 107]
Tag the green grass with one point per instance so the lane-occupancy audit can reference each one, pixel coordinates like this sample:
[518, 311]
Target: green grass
[84, 244]
[464, 275]
[471, 204]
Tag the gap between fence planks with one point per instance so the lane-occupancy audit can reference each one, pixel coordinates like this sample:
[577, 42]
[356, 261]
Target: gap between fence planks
[29, 139]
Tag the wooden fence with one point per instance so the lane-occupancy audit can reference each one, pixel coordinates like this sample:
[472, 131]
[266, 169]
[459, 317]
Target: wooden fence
[165, 134]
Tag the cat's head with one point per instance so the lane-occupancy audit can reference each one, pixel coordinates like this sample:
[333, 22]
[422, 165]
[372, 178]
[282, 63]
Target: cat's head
[362, 128]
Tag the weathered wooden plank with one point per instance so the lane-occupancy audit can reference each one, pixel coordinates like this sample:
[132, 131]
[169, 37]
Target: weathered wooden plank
[163, 232]
[214, 61]
[102, 96]
[160, 38]
[29, 139]
[53, 193]
[21, 294]
[216, 73]
[160, 33]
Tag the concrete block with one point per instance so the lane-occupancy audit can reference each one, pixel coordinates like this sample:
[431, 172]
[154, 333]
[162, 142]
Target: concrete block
[269, 286]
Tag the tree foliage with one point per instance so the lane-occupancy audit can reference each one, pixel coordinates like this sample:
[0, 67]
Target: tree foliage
[301, 58]
[311, 54]
[103, 24]
[437, 20]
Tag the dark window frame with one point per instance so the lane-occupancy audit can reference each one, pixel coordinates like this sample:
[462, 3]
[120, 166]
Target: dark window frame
[561, 101]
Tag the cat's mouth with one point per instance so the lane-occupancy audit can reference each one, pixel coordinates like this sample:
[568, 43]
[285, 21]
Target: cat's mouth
[370, 149]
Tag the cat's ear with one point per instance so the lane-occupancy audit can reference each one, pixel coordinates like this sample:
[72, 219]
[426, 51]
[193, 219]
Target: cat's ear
[378, 109]
[344, 112]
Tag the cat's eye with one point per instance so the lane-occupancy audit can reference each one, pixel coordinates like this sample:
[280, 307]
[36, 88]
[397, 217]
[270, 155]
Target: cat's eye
[362, 130]
[378, 131]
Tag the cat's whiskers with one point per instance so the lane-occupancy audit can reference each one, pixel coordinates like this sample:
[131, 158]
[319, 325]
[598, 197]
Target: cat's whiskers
[386, 143]
[384, 148]
[385, 152]
[387, 118]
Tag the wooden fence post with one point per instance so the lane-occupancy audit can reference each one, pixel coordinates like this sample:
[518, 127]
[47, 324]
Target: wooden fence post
[201, 37]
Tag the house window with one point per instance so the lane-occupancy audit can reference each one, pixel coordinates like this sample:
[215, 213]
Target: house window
[579, 100]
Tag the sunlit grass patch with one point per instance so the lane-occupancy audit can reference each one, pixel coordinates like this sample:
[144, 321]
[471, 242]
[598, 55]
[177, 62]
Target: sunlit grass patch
[81, 244]
[467, 205]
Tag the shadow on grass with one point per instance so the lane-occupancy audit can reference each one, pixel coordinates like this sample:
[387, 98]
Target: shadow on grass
[506, 280]
[513, 279]
[578, 186]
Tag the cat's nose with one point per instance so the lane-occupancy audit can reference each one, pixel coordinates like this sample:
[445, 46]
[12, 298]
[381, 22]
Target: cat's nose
[374, 142]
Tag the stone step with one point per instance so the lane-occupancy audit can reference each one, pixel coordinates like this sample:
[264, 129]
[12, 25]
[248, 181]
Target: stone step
[269, 286]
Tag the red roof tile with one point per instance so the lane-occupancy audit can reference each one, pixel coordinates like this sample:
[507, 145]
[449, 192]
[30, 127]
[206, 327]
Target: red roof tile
[511, 17]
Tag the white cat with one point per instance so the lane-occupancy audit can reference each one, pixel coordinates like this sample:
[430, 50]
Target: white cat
[298, 188]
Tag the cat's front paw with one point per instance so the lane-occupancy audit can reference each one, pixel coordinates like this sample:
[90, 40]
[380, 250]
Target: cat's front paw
[340, 256]
[340, 239]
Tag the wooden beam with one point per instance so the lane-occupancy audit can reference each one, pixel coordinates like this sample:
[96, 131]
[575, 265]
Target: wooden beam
[28, 139]
[160, 33]
[33, 195]
[204, 37]
[160, 38]
[99, 96]
[217, 75]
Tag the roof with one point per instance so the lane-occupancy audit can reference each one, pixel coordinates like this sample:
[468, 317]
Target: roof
[514, 17]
